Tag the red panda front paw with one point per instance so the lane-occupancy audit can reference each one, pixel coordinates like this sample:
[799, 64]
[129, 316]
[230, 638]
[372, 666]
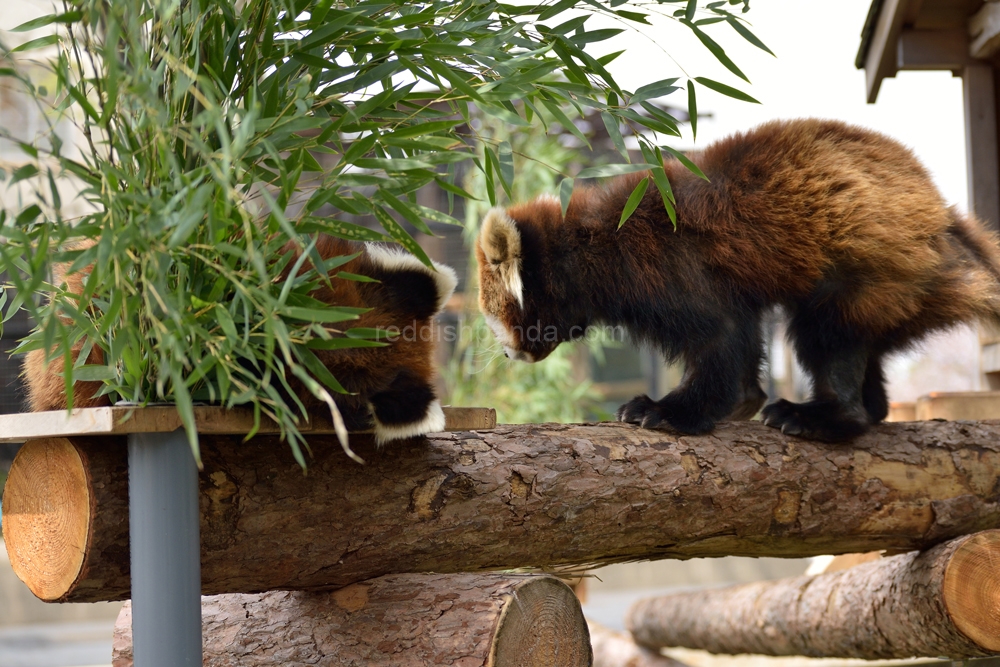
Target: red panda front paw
[635, 410]
[666, 413]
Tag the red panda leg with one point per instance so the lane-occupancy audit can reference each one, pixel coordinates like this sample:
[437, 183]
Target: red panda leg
[873, 394]
[406, 409]
[720, 382]
[848, 389]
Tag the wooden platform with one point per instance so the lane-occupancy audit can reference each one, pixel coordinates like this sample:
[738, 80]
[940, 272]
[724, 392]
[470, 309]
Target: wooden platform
[958, 405]
[210, 420]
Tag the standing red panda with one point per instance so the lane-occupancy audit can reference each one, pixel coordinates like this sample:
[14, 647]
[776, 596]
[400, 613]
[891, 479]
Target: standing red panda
[392, 386]
[840, 226]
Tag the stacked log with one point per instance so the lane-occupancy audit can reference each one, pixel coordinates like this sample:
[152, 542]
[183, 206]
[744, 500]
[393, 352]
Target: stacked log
[617, 649]
[517, 496]
[393, 621]
[941, 602]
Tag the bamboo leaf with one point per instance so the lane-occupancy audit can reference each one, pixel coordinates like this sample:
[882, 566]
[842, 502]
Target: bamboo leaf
[653, 90]
[741, 28]
[634, 200]
[693, 109]
[565, 194]
[718, 52]
[48, 19]
[724, 89]
[33, 44]
[613, 170]
[692, 167]
[611, 124]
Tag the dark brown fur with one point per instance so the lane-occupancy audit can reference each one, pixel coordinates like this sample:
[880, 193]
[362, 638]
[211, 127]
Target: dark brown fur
[839, 225]
[391, 386]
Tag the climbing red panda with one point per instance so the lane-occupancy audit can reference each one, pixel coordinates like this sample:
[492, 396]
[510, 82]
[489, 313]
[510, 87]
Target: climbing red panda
[392, 386]
[838, 225]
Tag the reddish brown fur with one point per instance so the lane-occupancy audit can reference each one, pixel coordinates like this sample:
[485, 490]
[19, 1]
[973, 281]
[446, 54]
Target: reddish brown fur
[840, 225]
[45, 384]
[368, 370]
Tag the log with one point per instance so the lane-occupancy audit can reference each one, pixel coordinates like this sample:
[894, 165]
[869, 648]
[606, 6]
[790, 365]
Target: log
[941, 602]
[396, 620]
[617, 649]
[517, 496]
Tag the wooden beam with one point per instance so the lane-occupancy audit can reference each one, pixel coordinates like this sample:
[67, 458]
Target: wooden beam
[984, 31]
[941, 602]
[981, 156]
[932, 50]
[210, 420]
[881, 59]
[532, 495]
[409, 619]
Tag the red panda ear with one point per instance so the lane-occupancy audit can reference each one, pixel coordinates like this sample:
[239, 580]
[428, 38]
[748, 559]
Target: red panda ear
[500, 242]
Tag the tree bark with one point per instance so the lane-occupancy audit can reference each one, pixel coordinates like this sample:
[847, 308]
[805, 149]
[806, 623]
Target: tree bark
[941, 602]
[522, 496]
[398, 620]
[617, 649]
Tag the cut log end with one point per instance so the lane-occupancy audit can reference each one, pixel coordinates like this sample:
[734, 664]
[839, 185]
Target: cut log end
[542, 626]
[972, 589]
[46, 513]
[408, 619]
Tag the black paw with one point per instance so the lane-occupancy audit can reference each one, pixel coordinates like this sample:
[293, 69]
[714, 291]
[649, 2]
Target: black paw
[646, 412]
[634, 411]
[816, 420]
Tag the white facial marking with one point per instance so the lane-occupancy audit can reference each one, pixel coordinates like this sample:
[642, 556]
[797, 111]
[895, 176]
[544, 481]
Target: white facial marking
[433, 422]
[509, 264]
[518, 355]
[501, 332]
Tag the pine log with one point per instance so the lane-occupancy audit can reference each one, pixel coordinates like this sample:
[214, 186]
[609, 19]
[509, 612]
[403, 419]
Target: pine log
[517, 496]
[398, 620]
[941, 602]
[617, 649]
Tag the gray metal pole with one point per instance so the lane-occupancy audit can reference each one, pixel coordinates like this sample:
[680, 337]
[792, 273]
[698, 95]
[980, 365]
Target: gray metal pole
[166, 552]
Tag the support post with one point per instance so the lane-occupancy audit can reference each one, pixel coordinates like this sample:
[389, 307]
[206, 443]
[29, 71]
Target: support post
[981, 143]
[165, 550]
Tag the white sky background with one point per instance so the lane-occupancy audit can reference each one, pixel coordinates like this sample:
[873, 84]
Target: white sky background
[814, 75]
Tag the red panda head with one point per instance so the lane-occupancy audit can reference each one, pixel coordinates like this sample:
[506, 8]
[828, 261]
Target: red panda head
[519, 252]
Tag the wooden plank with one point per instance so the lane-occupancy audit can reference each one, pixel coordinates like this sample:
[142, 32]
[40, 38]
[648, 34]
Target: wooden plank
[881, 59]
[932, 50]
[959, 405]
[469, 419]
[210, 420]
[984, 29]
[902, 411]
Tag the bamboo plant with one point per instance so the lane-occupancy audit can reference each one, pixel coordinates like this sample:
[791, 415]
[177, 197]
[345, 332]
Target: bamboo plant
[219, 137]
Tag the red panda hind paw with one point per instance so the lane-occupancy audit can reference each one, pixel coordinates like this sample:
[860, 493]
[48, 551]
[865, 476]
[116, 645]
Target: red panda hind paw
[824, 420]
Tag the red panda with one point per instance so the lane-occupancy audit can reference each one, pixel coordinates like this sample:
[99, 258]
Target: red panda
[392, 386]
[838, 225]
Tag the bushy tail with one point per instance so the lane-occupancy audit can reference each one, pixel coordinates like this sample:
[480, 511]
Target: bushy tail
[983, 248]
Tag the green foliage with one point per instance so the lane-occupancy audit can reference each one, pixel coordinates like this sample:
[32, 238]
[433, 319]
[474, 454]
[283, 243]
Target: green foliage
[215, 131]
[522, 393]
[478, 373]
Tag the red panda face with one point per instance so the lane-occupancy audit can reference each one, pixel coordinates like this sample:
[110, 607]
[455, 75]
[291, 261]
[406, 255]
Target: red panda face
[510, 307]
